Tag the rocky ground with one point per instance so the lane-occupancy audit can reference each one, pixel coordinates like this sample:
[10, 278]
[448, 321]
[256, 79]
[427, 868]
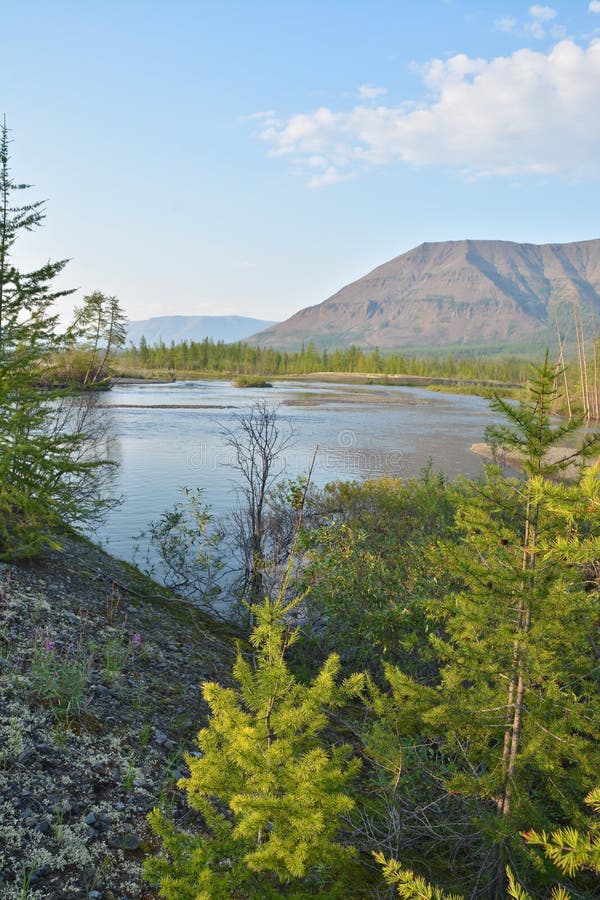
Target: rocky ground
[99, 701]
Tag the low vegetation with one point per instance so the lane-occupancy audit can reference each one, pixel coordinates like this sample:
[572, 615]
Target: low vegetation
[252, 381]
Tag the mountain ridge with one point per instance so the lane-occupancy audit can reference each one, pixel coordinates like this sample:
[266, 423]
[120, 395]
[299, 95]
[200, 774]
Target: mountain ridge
[454, 293]
[193, 328]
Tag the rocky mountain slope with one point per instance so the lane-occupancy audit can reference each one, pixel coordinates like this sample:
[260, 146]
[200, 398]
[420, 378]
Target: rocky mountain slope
[478, 293]
[193, 328]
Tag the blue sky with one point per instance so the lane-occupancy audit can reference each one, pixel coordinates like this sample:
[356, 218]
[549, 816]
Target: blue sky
[254, 157]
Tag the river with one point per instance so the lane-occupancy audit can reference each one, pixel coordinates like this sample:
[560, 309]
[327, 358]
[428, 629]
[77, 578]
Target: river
[168, 436]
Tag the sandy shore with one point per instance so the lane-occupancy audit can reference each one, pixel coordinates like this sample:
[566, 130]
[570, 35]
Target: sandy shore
[514, 460]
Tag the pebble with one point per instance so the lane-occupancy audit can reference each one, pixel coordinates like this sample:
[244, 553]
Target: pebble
[123, 841]
[25, 755]
[160, 737]
[102, 822]
[102, 690]
[43, 748]
[90, 819]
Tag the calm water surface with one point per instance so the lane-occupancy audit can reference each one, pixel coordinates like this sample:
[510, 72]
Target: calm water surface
[167, 437]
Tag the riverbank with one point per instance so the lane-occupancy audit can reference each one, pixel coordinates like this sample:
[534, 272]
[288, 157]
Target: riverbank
[473, 387]
[100, 673]
[513, 459]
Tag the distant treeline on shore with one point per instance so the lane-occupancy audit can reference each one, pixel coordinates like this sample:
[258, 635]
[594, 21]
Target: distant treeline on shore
[243, 359]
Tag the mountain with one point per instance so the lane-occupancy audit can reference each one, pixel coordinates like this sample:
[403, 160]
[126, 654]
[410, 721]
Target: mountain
[194, 328]
[470, 293]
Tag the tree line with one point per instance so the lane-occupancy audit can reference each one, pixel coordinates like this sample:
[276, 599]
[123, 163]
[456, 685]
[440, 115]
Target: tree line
[241, 358]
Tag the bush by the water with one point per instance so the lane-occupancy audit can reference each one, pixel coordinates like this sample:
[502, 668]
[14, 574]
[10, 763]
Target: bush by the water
[252, 381]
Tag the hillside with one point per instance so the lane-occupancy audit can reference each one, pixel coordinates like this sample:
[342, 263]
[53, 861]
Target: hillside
[495, 294]
[193, 328]
[100, 673]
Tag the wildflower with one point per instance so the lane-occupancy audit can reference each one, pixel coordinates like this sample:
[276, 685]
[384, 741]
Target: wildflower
[137, 639]
[49, 645]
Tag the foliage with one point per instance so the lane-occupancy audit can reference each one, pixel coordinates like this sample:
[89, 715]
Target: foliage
[514, 712]
[272, 795]
[60, 677]
[411, 886]
[252, 381]
[96, 335]
[371, 563]
[189, 547]
[568, 849]
[48, 474]
[244, 359]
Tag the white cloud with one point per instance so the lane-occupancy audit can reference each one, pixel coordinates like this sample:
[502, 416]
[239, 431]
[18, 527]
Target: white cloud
[543, 13]
[506, 24]
[370, 92]
[531, 113]
[535, 30]
[331, 175]
[558, 32]
[538, 26]
[267, 115]
[594, 6]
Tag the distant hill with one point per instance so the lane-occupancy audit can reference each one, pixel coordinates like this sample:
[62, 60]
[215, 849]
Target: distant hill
[455, 294]
[194, 328]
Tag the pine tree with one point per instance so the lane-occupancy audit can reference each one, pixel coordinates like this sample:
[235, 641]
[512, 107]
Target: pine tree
[271, 794]
[47, 476]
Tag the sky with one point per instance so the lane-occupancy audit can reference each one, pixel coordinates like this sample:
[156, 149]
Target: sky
[253, 157]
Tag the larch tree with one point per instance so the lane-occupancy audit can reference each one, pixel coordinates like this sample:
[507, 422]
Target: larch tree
[98, 332]
[272, 794]
[514, 714]
[48, 476]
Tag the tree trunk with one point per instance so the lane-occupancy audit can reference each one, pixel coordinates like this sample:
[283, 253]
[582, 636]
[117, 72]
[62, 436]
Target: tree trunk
[516, 693]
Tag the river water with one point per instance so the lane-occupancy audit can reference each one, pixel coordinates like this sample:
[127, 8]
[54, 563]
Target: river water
[168, 436]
